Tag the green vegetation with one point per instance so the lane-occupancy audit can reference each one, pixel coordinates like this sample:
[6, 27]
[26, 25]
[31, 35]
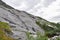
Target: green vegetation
[3, 34]
[29, 37]
[49, 30]
[58, 38]
[4, 25]
[39, 37]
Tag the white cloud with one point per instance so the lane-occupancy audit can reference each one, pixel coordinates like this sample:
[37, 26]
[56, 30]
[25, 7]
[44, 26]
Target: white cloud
[23, 6]
[51, 11]
[44, 12]
[46, 9]
[18, 4]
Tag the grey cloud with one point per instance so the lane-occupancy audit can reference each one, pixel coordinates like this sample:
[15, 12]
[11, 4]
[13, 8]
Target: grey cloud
[48, 2]
[30, 4]
[17, 3]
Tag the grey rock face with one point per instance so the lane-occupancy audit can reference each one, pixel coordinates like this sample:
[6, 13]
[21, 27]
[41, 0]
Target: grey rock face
[20, 22]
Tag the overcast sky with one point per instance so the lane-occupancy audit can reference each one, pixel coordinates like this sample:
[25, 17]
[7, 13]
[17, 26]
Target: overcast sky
[46, 9]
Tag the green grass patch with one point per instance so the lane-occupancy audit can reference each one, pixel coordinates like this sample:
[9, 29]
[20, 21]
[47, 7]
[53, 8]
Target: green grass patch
[3, 28]
[39, 37]
[49, 31]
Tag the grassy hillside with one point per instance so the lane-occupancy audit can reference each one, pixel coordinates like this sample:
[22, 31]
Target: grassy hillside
[4, 30]
[51, 29]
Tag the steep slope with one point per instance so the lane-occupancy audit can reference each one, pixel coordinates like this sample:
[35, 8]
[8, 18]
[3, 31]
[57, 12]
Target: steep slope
[22, 22]
[5, 5]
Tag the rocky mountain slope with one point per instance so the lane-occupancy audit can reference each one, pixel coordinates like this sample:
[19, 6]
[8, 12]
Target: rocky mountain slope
[22, 22]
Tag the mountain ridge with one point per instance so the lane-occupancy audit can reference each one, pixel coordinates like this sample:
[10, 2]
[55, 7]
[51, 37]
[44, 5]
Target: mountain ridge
[21, 22]
[5, 5]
